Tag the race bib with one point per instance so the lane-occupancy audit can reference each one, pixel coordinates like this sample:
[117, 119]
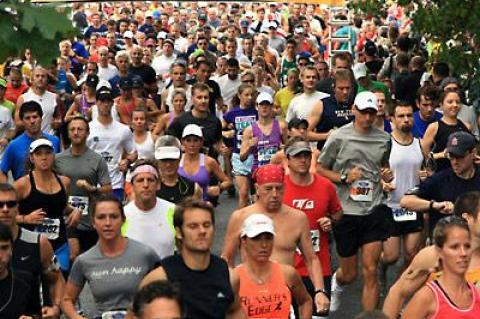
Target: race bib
[403, 215]
[315, 235]
[116, 314]
[79, 202]
[50, 228]
[265, 155]
[361, 191]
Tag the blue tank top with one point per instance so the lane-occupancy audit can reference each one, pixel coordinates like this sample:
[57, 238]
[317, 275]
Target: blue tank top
[201, 177]
[63, 86]
[334, 115]
[267, 145]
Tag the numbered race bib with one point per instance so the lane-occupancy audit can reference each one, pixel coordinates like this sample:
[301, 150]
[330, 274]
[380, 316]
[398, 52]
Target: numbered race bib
[315, 235]
[361, 191]
[50, 228]
[116, 314]
[403, 215]
[79, 202]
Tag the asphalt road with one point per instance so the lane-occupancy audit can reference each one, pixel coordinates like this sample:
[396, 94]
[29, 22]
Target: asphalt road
[350, 305]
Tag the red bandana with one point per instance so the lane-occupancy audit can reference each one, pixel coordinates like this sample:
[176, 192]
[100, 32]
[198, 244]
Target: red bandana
[270, 173]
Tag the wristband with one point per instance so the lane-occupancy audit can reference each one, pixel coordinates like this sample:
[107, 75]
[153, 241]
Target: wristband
[431, 205]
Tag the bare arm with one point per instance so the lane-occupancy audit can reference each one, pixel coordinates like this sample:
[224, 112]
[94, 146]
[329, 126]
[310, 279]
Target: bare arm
[299, 292]
[214, 167]
[156, 274]
[232, 237]
[422, 305]
[428, 139]
[330, 174]
[69, 299]
[313, 120]
[18, 122]
[235, 311]
[415, 203]
[247, 143]
[51, 271]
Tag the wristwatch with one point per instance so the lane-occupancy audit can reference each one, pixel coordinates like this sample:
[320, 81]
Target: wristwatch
[343, 178]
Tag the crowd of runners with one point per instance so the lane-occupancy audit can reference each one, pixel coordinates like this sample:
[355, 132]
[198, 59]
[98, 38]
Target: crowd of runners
[114, 158]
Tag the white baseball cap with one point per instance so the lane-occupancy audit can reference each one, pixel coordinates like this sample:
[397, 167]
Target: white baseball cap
[192, 129]
[264, 97]
[167, 152]
[39, 143]
[359, 70]
[366, 100]
[257, 224]
[128, 34]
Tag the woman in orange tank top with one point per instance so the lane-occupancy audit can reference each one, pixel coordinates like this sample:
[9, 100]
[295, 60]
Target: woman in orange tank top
[267, 287]
[451, 295]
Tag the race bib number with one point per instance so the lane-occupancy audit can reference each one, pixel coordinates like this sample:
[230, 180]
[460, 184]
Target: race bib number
[265, 155]
[118, 314]
[50, 228]
[361, 191]
[403, 215]
[315, 235]
[79, 202]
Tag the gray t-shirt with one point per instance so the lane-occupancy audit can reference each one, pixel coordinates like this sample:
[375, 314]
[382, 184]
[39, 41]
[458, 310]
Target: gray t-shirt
[113, 281]
[345, 149]
[89, 166]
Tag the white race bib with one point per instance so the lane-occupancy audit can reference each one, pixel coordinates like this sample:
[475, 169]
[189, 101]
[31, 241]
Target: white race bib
[79, 202]
[50, 228]
[315, 235]
[403, 215]
[361, 191]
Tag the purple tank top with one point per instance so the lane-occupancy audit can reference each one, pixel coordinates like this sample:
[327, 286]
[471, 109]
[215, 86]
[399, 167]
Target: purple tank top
[85, 105]
[171, 117]
[267, 145]
[201, 176]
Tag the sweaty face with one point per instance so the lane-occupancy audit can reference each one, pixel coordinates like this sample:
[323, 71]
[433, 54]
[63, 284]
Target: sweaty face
[200, 100]
[197, 230]
[108, 220]
[426, 107]
[145, 186]
[403, 118]
[259, 247]
[342, 90]
[270, 195]
[364, 119]
[456, 251]
[77, 132]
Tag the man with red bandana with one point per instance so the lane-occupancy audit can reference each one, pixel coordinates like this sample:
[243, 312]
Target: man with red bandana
[269, 186]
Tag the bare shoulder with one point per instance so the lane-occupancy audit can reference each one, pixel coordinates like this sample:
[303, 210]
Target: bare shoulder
[293, 213]
[156, 274]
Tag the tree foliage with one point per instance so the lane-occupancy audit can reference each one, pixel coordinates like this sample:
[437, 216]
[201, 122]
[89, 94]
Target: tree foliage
[38, 27]
[453, 25]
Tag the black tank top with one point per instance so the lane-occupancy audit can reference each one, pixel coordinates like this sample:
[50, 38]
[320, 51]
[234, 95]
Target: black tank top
[53, 205]
[441, 138]
[26, 258]
[206, 293]
[175, 194]
[334, 115]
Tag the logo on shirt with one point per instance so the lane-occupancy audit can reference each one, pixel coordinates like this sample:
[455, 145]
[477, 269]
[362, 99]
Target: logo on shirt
[303, 204]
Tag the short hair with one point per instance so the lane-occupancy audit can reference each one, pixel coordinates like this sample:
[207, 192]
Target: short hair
[79, 118]
[122, 54]
[6, 233]
[30, 107]
[179, 91]
[292, 41]
[441, 69]
[402, 59]
[344, 56]
[156, 290]
[468, 203]
[8, 188]
[440, 232]
[401, 104]
[309, 67]
[233, 63]
[343, 75]
[107, 198]
[427, 91]
[190, 203]
[202, 87]
[203, 62]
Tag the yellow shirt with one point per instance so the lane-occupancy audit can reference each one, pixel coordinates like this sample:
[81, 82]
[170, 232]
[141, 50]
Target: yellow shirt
[283, 98]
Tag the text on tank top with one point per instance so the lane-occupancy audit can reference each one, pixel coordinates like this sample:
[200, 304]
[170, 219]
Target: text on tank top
[267, 145]
[271, 299]
[334, 115]
[445, 308]
[201, 177]
[53, 226]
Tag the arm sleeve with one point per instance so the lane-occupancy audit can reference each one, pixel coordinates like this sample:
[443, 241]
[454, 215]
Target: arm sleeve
[329, 152]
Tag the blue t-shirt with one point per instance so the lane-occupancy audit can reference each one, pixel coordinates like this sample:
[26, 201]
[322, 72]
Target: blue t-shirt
[17, 151]
[241, 119]
[420, 126]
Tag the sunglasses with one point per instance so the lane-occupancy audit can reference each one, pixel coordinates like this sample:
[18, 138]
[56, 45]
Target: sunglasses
[9, 203]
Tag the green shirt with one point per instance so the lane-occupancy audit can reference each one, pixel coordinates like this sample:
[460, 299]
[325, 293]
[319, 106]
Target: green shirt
[375, 85]
[9, 105]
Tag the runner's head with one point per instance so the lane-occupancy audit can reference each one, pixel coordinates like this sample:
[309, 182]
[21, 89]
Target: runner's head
[257, 237]
[468, 206]
[461, 152]
[159, 299]
[299, 155]
[365, 109]
[194, 222]
[343, 85]
[8, 204]
[145, 179]
[402, 117]
[269, 186]
[107, 217]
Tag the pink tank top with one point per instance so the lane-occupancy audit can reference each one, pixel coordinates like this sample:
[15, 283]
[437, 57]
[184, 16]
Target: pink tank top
[447, 310]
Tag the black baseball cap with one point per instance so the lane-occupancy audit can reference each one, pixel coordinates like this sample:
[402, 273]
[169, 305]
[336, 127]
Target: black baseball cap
[137, 82]
[460, 142]
[92, 80]
[125, 83]
[104, 93]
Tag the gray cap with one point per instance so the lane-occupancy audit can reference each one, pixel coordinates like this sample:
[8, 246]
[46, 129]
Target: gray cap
[460, 142]
[297, 148]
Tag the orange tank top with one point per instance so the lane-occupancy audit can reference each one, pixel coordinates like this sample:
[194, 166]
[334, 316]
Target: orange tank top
[445, 309]
[268, 300]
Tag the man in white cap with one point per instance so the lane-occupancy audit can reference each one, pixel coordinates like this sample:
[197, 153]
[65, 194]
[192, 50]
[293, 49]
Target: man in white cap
[355, 158]
[262, 278]
[365, 83]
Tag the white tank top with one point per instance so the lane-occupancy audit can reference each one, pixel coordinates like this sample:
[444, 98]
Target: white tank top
[405, 162]
[48, 102]
[146, 150]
